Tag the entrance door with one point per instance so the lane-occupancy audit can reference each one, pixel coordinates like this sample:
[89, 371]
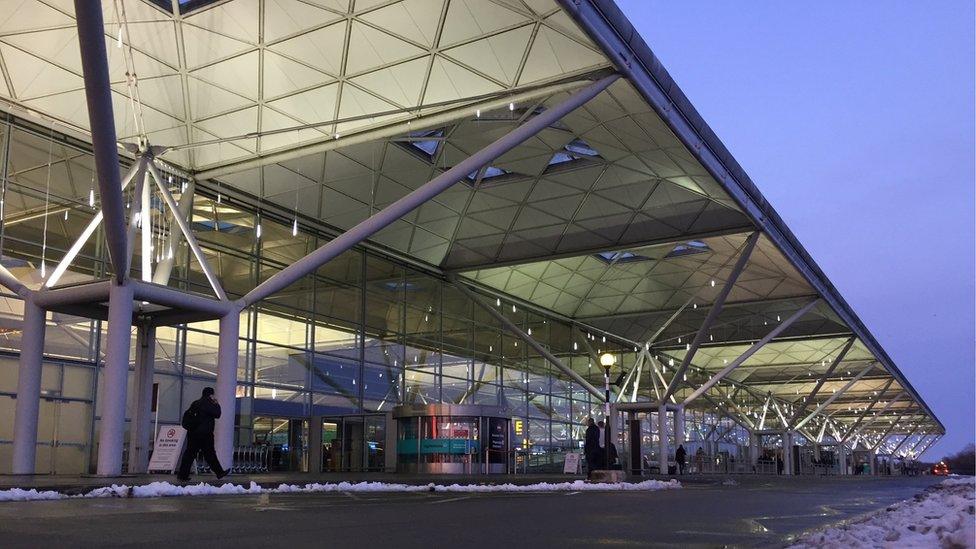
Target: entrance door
[284, 441]
[354, 443]
[331, 445]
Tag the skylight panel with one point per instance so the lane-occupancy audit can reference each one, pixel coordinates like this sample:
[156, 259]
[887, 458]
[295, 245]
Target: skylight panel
[487, 174]
[574, 151]
[579, 146]
[620, 257]
[689, 248]
[425, 147]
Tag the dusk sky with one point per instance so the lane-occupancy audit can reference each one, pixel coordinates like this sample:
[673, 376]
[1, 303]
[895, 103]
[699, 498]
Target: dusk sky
[856, 121]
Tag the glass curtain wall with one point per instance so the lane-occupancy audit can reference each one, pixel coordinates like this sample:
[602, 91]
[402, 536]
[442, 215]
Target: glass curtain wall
[362, 335]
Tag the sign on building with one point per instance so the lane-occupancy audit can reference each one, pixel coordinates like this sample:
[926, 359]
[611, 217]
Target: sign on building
[167, 448]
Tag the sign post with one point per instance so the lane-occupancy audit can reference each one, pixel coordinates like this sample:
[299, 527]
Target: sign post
[167, 448]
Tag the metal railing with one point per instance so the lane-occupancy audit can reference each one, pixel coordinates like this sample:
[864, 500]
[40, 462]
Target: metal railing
[247, 460]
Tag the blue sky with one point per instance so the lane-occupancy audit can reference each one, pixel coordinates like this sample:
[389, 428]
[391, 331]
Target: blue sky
[856, 120]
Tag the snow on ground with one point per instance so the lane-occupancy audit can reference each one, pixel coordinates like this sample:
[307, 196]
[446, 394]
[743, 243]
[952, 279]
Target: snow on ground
[942, 516]
[165, 489]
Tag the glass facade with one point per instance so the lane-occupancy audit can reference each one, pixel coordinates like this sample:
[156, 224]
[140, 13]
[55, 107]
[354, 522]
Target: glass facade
[365, 333]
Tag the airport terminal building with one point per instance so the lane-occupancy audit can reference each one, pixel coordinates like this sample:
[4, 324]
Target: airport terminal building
[403, 235]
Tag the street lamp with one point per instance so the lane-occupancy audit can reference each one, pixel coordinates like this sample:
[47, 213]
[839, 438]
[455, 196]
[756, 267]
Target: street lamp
[606, 360]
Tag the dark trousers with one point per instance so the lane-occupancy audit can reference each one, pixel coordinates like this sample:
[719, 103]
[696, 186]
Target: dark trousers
[195, 442]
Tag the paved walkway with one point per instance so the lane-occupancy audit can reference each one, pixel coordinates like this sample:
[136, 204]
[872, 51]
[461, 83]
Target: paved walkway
[755, 511]
[76, 483]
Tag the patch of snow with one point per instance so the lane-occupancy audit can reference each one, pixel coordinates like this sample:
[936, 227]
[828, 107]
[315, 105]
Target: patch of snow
[165, 489]
[578, 485]
[18, 494]
[942, 516]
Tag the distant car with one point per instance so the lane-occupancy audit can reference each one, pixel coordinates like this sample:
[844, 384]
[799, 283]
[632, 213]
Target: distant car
[940, 469]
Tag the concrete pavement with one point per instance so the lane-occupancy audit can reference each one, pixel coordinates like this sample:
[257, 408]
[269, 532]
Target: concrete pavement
[755, 511]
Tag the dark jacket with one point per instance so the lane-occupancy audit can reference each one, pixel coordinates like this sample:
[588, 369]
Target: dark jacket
[679, 455]
[591, 442]
[208, 412]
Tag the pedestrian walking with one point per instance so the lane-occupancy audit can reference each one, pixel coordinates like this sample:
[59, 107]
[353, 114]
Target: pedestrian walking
[679, 458]
[199, 420]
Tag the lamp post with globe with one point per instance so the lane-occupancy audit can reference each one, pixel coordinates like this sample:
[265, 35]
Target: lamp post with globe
[607, 360]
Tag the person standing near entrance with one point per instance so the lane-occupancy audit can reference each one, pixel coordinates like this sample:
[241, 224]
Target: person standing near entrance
[199, 420]
[591, 446]
[679, 458]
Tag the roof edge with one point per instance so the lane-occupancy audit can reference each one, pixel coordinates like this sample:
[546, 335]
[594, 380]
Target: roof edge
[609, 28]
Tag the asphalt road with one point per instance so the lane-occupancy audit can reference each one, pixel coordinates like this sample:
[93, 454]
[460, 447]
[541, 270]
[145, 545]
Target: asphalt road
[755, 512]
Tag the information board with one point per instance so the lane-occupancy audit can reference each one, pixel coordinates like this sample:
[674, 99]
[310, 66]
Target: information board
[167, 448]
[572, 463]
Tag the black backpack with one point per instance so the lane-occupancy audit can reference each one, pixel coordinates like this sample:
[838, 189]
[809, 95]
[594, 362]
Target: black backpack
[191, 418]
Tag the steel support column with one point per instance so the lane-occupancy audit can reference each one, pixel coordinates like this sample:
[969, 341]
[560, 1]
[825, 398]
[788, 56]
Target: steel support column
[94, 66]
[139, 204]
[9, 281]
[226, 390]
[424, 193]
[662, 438]
[116, 374]
[765, 410]
[841, 450]
[753, 450]
[679, 426]
[165, 267]
[187, 231]
[28, 389]
[140, 425]
[713, 313]
[788, 453]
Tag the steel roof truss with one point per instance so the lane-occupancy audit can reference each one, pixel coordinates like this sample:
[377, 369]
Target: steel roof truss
[713, 313]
